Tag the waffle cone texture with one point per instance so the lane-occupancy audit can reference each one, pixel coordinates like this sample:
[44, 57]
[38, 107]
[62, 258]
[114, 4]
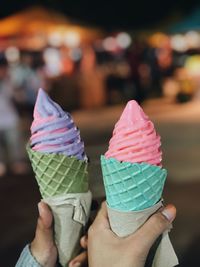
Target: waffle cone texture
[132, 186]
[57, 174]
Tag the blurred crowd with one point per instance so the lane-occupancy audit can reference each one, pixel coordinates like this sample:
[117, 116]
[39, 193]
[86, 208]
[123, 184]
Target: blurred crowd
[107, 72]
[18, 85]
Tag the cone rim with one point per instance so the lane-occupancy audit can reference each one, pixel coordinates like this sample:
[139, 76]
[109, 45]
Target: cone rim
[52, 155]
[127, 163]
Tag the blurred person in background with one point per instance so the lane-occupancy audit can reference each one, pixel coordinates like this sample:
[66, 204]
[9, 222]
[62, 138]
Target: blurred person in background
[134, 56]
[26, 79]
[91, 80]
[11, 148]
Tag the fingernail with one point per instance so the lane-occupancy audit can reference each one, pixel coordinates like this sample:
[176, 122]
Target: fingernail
[40, 209]
[169, 212]
[84, 239]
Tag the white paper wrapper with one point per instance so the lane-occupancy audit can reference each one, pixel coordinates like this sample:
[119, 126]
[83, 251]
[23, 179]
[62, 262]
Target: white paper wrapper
[126, 223]
[71, 213]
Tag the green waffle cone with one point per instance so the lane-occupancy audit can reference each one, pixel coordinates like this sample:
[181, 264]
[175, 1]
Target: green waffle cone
[132, 186]
[57, 174]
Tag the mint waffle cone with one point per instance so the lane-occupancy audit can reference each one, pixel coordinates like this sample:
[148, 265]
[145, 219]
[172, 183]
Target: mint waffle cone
[63, 184]
[57, 174]
[132, 186]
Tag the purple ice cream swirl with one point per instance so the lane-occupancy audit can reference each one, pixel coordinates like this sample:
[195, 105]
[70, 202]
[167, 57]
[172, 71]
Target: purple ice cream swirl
[53, 130]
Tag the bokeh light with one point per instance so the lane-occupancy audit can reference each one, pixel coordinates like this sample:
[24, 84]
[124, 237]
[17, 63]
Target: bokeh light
[123, 40]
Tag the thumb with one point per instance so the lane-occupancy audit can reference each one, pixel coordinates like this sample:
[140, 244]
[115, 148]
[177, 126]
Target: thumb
[44, 228]
[43, 247]
[155, 226]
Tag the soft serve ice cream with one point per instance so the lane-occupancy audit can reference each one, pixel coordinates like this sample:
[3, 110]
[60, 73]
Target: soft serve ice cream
[53, 130]
[134, 138]
[132, 170]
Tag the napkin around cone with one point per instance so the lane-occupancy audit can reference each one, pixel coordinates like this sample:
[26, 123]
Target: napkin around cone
[71, 213]
[124, 223]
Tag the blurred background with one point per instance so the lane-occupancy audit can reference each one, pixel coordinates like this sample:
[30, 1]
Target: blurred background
[92, 57]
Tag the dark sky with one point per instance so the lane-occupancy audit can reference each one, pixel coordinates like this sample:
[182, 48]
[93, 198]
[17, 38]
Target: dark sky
[109, 14]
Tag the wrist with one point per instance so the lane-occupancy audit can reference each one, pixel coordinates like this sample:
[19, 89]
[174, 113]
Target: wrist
[44, 256]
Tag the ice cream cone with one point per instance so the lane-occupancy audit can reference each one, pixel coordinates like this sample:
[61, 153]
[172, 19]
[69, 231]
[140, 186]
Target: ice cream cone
[58, 174]
[134, 178]
[63, 184]
[132, 186]
[58, 158]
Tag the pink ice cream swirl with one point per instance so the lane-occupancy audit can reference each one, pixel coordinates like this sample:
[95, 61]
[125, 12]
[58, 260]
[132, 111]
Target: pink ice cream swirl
[134, 138]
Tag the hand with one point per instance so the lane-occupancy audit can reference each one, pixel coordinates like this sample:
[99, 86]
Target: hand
[43, 247]
[81, 259]
[107, 250]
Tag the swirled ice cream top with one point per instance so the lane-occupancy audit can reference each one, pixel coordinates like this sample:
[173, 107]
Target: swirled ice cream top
[53, 130]
[134, 138]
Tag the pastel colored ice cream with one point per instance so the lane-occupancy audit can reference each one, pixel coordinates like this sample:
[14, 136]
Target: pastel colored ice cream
[57, 156]
[132, 171]
[134, 138]
[53, 130]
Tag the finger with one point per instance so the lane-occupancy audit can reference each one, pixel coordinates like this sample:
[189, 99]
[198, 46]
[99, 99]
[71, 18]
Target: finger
[102, 217]
[80, 260]
[155, 226]
[44, 230]
[45, 214]
[84, 241]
